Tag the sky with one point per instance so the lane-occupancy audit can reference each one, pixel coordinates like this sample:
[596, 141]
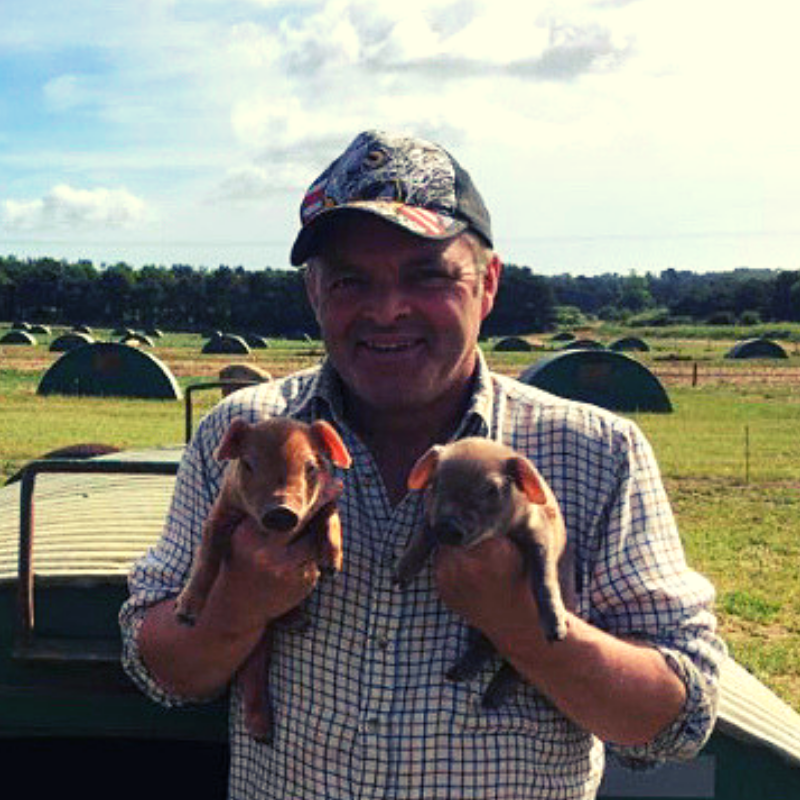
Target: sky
[604, 135]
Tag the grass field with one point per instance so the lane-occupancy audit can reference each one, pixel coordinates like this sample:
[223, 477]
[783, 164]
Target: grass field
[729, 455]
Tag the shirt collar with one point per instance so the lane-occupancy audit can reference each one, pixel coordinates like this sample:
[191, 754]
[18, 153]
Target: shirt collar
[477, 420]
[324, 399]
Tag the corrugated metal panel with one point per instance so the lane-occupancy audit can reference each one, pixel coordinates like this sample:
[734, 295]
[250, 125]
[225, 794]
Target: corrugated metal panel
[88, 525]
[748, 710]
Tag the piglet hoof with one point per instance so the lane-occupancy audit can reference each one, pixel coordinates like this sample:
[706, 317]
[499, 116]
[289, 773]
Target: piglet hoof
[464, 670]
[404, 574]
[556, 630]
[260, 728]
[184, 615]
[295, 621]
[500, 687]
[457, 674]
[478, 653]
[328, 571]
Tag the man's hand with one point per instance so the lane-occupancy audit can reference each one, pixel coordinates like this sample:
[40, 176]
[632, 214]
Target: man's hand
[621, 691]
[487, 586]
[269, 574]
[264, 577]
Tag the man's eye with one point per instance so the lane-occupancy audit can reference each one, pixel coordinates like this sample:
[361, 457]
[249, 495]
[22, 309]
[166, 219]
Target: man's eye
[346, 283]
[433, 279]
[246, 465]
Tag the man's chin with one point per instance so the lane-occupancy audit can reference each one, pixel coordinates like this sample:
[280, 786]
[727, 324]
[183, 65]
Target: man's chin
[399, 398]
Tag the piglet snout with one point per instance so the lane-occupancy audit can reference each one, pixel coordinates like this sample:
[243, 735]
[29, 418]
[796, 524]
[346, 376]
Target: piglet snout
[280, 518]
[449, 531]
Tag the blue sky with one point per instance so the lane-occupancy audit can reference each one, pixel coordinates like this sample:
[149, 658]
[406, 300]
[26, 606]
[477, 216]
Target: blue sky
[605, 135]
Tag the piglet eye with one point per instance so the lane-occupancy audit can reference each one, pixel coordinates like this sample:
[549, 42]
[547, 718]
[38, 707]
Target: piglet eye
[312, 470]
[491, 491]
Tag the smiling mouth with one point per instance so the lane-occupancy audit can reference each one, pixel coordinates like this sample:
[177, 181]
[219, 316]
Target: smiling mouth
[390, 347]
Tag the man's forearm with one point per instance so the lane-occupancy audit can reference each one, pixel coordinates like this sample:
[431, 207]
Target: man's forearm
[623, 692]
[193, 662]
[262, 579]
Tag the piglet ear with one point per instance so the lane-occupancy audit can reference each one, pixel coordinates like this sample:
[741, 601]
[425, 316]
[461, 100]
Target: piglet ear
[231, 445]
[331, 443]
[527, 479]
[421, 472]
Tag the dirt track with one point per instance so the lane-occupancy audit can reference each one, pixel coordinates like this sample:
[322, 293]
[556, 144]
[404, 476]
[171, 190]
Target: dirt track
[280, 363]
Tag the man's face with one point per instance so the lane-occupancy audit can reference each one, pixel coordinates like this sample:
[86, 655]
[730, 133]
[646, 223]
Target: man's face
[400, 315]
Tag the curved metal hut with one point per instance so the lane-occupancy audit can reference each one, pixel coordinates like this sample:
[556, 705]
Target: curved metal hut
[601, 377]
[757, 348]
[512, 344]
[629, 344]
[18, 336]
[69, 341]
[227, 343]
[109, 369]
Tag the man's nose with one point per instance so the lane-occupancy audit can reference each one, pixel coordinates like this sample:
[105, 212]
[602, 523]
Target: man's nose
[387, 304]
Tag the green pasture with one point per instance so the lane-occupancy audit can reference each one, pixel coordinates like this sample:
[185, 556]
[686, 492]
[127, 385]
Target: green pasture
[728, 453]
[730, 461]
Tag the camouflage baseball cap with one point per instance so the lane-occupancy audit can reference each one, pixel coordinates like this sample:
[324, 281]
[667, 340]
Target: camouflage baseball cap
[410, 182]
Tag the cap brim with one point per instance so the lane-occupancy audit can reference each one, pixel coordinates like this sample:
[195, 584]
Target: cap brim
[421, 222]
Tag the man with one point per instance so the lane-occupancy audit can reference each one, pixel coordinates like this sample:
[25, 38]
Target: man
[400, 272]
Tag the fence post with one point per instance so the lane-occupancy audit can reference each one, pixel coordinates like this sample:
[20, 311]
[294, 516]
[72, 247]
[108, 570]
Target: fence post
[747, 454]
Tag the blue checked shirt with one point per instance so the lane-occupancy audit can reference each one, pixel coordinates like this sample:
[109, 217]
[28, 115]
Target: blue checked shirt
[362, 706]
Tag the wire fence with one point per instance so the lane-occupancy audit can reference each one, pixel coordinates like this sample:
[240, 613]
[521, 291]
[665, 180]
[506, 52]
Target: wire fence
[696, 374]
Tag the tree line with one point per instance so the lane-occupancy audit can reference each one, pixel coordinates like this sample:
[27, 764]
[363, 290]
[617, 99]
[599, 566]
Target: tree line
[272, 302]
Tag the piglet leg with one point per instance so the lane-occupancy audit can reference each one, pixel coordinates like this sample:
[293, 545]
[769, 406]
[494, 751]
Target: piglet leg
[543, 569]
[324, 524]
[416, 554]
[326, 528]
[501, 686]
[214, 547]
[478, 653]
[479, 650]
[253, 678]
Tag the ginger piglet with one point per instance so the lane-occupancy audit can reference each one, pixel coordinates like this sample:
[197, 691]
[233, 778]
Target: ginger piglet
[279, 474]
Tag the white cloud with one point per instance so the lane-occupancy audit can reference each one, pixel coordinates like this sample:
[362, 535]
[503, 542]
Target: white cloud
[253, 183]
[344, 65]
[66, 207]
[574, 116]
[65, 92]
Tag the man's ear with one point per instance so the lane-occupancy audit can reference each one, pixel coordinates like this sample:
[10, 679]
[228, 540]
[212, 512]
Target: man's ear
[311, 279]
[491, 284]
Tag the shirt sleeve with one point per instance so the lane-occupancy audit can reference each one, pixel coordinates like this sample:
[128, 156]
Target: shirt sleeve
[642, 587]
[162, 571]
